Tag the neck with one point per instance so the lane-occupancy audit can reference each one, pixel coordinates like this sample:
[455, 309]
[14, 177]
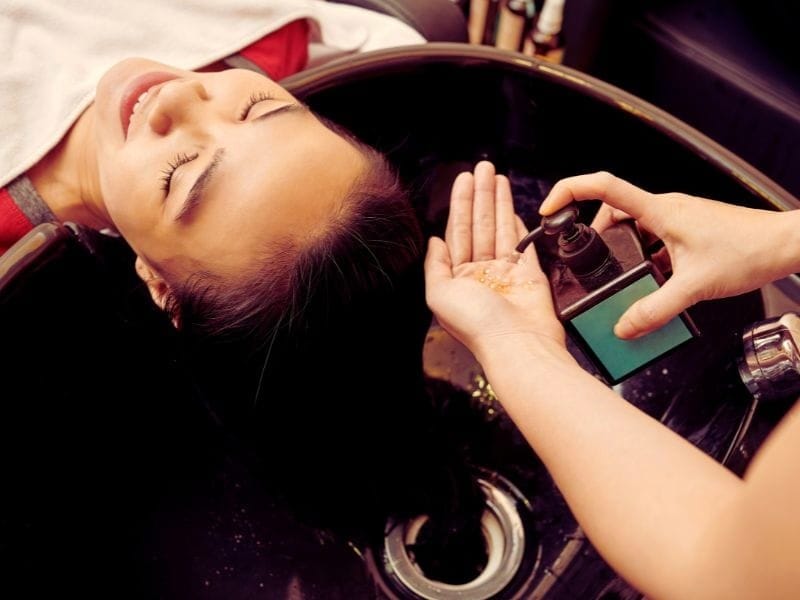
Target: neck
[67, 178]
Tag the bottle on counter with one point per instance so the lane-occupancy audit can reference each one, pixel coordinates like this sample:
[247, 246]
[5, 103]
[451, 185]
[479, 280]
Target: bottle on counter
[545, 40]
[482, 21]
[490, 28]
[511, 24]
[476, 25]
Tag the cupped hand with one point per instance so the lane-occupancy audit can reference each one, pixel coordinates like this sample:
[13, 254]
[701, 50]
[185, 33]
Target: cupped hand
[716, 249]
[478, 287]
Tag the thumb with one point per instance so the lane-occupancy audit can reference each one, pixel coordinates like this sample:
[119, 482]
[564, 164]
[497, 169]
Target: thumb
[438, 266]
[654, 310]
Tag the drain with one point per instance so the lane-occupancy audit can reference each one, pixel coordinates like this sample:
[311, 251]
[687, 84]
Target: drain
[497, 561]
[451, 555]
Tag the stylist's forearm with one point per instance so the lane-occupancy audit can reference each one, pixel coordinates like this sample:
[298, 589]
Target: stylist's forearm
[642, 493]
[788, 243]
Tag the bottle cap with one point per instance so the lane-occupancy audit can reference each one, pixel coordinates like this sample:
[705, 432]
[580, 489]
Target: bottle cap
[551, 17]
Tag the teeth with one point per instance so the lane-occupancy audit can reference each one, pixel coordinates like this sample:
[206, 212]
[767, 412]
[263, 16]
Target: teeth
[140, 101]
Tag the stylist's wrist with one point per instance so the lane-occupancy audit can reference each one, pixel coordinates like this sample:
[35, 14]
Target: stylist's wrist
[547, 348]
[791, 223]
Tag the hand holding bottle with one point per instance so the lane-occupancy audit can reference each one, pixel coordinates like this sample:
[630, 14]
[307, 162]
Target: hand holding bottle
[717, 250]
[642, 494]
[480, 290]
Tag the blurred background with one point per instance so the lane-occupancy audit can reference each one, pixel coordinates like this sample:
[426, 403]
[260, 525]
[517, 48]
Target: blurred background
[726, 67]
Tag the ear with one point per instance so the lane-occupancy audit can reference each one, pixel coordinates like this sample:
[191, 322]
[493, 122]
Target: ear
[158, 287]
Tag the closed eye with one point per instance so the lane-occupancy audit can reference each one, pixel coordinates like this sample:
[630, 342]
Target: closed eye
[172, 166]
[254, 99]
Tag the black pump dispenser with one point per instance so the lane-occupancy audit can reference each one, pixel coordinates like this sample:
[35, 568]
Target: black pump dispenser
[582, 249]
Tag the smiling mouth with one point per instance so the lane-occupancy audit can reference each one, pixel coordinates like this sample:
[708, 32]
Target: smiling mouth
[137, 93]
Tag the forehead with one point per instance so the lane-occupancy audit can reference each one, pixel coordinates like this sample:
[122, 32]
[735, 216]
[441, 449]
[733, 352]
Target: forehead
[285, 177]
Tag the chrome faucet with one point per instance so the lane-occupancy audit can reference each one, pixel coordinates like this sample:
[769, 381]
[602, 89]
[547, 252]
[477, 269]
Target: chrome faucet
[770, 365]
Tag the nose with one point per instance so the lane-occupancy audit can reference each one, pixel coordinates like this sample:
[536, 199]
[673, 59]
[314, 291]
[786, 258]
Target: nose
[177, 102]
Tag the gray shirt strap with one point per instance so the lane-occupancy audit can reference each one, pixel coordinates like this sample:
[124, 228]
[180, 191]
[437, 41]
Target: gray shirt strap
[29, 201]
[237, 61]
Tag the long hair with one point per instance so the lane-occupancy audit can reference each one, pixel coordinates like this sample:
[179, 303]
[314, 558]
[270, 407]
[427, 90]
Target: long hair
[316, 360]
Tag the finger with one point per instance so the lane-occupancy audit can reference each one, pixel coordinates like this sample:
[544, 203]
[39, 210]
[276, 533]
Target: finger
[506, 237]
[458, 233]
[598, 186]
[438, 266]
[483, 221]
[608, 216]
[653, 311]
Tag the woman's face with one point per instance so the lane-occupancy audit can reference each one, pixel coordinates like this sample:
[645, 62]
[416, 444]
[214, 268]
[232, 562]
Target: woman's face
[199, 171]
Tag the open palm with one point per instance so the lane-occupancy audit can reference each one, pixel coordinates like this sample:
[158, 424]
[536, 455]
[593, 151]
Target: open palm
[476, 285]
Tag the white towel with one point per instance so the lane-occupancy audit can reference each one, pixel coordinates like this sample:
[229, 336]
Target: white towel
[56, 51]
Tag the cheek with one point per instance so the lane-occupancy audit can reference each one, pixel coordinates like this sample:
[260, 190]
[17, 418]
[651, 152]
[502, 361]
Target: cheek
[127, 198]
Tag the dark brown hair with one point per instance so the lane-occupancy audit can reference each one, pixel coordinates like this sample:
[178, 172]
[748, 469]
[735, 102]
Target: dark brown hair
[366, 246]
[315, 360]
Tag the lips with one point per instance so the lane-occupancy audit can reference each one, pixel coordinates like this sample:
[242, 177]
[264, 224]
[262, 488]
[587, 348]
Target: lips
[137, 89]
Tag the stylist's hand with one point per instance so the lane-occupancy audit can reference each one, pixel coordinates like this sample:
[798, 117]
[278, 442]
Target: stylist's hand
[475, 285]
[716, 249]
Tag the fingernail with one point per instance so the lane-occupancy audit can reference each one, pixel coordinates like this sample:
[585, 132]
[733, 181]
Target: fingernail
[623, 330]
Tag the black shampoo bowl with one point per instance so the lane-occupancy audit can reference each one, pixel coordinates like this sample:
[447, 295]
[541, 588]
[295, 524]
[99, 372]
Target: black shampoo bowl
[119, 483]
[438, 109]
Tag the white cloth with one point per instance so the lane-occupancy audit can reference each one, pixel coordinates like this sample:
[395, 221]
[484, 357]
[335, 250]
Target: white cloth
[54, 52]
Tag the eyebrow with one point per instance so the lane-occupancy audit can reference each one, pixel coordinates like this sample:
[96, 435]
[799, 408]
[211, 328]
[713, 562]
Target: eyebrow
[196, 194]
[292, 107]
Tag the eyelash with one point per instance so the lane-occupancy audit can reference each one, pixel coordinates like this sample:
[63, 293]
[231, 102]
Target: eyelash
[254, 99]
[182, 158]
[166, 174]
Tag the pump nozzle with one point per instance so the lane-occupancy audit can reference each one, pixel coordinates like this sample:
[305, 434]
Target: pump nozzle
[560, 221]
[579, 246]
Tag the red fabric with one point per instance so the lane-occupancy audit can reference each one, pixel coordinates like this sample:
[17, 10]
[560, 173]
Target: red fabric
[13, 222]
[282, 52]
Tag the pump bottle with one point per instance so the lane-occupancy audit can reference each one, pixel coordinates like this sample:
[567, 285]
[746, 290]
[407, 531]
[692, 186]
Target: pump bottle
[586, 260]
[595, 279]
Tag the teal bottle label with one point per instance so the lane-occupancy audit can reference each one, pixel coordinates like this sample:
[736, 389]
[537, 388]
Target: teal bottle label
[619, 357]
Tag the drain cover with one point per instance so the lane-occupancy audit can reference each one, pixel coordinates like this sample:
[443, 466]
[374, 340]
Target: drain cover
[511, 554]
